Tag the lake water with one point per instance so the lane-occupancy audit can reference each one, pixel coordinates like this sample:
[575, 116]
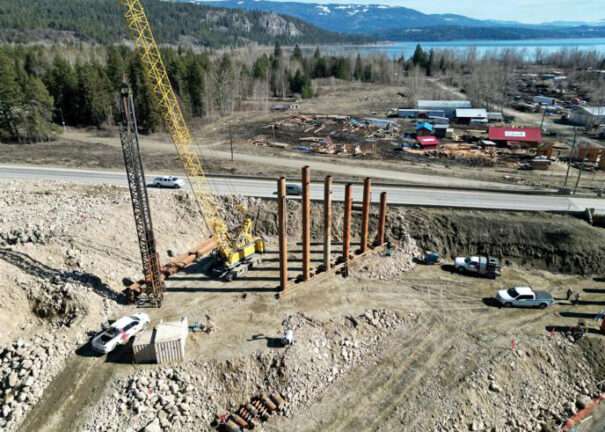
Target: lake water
[396, 49]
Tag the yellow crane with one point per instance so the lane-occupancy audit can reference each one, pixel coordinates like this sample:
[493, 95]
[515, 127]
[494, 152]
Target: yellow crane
[236, 253]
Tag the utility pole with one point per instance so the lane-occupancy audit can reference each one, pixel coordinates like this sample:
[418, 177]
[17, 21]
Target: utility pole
[543, 116]
[579, 176]
[573, 147]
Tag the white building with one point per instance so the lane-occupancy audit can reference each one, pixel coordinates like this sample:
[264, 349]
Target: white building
[471, 115]
[588, 116]
[448, 107]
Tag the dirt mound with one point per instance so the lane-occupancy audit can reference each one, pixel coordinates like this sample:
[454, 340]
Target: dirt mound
[554, 242]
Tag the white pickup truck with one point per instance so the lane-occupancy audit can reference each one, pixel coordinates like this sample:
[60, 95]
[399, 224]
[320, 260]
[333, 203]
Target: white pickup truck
[479, 265]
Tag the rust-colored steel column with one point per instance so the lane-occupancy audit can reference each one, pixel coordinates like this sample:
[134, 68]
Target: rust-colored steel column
[382, 218]
[327, 223]
[365, 216]
[306, 219]
[282, 216]
[346, 235]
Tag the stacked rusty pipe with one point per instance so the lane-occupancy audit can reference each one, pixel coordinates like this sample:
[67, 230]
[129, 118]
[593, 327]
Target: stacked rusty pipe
[251, 414]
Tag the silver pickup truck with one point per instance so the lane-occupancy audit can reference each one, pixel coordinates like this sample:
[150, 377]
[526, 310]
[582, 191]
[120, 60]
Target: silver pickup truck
[524, 297]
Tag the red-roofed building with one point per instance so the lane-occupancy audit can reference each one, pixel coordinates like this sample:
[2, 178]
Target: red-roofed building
[427, 142]
[506, 135]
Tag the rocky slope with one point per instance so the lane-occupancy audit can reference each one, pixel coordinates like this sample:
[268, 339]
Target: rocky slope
[173, 23]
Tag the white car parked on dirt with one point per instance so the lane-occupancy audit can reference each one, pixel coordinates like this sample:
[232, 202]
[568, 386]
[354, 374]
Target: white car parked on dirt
[168, 182]
[120, 332]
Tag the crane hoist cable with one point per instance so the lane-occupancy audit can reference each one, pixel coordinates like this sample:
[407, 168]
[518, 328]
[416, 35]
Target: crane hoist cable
[170, 110]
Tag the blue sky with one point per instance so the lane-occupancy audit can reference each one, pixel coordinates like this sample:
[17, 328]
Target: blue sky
[528, 11]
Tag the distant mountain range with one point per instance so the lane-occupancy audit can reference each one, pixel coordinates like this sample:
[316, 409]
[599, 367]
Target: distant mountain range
[401, 23]
[102, 21]
[348, 18]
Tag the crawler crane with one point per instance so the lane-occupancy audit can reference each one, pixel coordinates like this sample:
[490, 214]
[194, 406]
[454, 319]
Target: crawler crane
[235, 253]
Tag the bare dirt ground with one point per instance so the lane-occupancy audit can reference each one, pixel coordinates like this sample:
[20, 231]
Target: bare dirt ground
[395, 346]
[101, 149]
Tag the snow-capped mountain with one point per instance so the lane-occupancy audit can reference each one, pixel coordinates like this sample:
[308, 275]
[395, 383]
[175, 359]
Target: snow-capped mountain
[350, 18]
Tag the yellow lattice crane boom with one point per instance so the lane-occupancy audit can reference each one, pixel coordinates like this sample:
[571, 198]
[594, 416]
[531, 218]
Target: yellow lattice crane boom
[232, 250]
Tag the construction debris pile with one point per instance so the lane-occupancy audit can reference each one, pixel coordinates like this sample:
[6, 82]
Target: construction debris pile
[26, 369]
[389, 265]
[188, 397]
[328, 134]
[58, 303]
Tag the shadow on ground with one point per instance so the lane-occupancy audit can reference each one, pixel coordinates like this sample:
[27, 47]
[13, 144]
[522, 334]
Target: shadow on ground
[38, 269]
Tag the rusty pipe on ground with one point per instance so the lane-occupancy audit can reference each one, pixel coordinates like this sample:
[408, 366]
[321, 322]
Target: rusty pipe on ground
[268, 402]
[240, 421]
[277, 398]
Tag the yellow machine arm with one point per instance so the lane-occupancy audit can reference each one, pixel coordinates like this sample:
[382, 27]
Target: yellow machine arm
[174, 121]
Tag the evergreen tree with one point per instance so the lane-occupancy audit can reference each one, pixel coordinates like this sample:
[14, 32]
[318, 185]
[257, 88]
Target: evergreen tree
[297, 82]
[320, 67]
[95, 95]
[148, 119]
[430, 62]
[358, 70]
[36, 112]
[62, 82]
[195, 84]
[11, 98]
[419, 57]
[442, 65]
[277, 52]
[367, 73]
[297, 53]
[341, 68]
[260, 69]
[116, 65]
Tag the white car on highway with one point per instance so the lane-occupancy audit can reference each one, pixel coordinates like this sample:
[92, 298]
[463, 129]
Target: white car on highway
[168, 182]
[120, 332]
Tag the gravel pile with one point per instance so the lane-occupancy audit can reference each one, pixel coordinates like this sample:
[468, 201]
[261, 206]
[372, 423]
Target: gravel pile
[26, 368]
[54, 212]
[187, 397]
[391, 267]
[548, 382]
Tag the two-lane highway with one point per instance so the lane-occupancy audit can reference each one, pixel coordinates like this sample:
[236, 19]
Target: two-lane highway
[401, 195]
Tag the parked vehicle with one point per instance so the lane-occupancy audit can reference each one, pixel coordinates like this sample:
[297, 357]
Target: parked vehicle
[524, 297]
[430, 258]
[479, 265]
[168, 182]
[293, 189]
[120, 332]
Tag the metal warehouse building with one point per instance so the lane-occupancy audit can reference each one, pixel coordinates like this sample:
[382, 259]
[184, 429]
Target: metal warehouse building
[588, 116]
[448, 107]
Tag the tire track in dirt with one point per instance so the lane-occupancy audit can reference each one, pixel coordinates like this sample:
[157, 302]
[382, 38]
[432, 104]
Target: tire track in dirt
[359, 391]
[78, 386]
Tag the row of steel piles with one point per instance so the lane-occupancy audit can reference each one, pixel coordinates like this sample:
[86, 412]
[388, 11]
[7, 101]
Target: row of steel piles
[327, 224]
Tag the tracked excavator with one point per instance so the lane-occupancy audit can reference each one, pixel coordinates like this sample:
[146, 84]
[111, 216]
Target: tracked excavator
[236, 250]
